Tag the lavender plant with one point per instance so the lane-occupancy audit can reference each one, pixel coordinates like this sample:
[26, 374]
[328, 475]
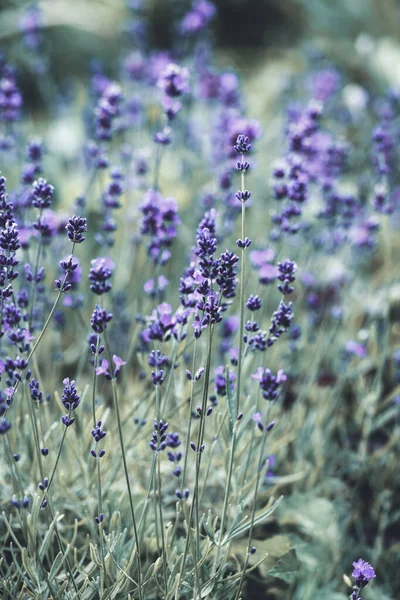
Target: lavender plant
[187, 412]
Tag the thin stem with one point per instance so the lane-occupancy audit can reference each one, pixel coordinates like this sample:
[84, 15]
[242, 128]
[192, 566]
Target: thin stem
[128, 485]
[34, 282]
[239, 370]
[253, 512]
[200, 438]
[164, 553]
[241, 301]
[99, 499]
[189, 420]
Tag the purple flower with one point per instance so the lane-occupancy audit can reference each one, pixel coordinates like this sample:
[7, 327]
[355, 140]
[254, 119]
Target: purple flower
[198, 17]
[174, 80]
[103, 369]
[42, 194]
[36, 394]
[269, 383]
[253, 303]
[257, 418]
[157, 360]
[10, 98]
[119, 362]
[160, 221]
[75, 228]
[267, 274]
[99, 320]
[220, 380]
[242, 145]
[280, 321]
[286, 271]
[106, 111]
[152, 287]
[356, 349]
[226, 278]
[70, 397]
[98, 433]
[99, 275]
[159, 438]
[362, 572]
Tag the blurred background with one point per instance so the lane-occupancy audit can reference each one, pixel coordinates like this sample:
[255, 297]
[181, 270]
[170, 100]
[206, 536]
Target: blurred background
[247, 33]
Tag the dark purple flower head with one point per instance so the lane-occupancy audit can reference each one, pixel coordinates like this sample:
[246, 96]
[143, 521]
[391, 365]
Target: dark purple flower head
[269, 383]
[69, 264]
[226, 278]
[286, 271]
[42, 194]
[242, 145]
[99, 274]
[70, 397]
[99, 320]
[75, 228]
[160, 221]
[34, 151]
[206, 248]
[363, 572]
[36, 394]
[156, 359]
[9, 238]
[280, 321]
[159, 438]
[98, 433]
[253, 303]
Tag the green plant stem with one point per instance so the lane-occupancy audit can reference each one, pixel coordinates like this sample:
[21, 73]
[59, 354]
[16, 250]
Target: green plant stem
[239, 373]
[241, 301]
[99, 499]
[34, 282]
[200, 438]
[163, 547]
[189, 419]
[128, 485]
[253, 512]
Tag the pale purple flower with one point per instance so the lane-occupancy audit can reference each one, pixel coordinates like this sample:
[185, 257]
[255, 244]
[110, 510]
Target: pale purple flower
[362, 572]
[119, 362]
[355, 348]
[103, 369]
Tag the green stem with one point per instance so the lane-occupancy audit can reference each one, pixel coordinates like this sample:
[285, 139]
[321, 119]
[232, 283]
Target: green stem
[99, 499]
[128, 485]
[164, 553]
[253, 512]
[195, 504]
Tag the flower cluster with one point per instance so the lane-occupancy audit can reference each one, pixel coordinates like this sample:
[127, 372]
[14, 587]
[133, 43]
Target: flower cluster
[269, 383]
[159, 223]
[70, 399]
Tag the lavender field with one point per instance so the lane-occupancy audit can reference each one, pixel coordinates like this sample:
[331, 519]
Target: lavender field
[199, 300]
